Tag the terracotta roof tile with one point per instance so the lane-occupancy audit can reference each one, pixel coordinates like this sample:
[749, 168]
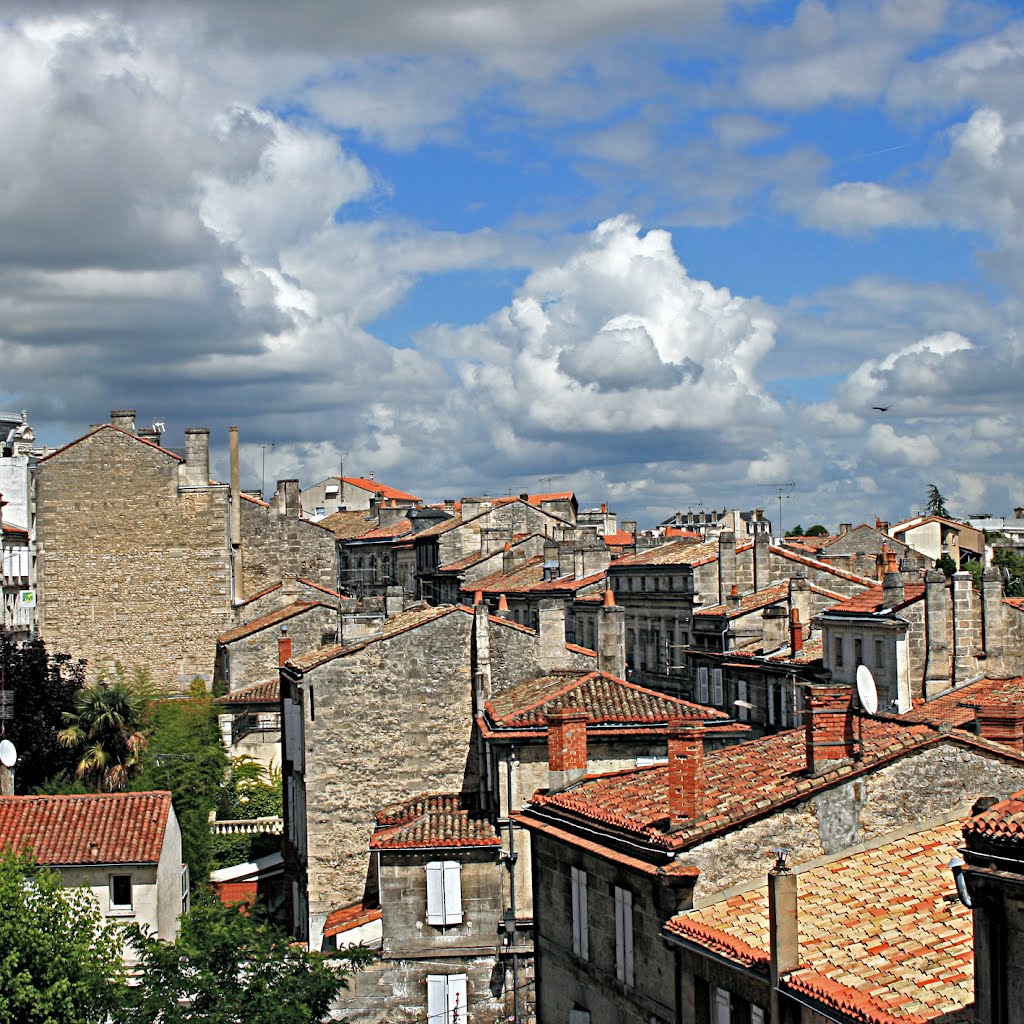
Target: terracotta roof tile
[529, 577]
[266, 692]
[676, 553]
[376, 487]
[1003, 821]
[274, 618]
[399, 529]
[15, 531]
[869, 601]
[349, 523]
[749, 602]
[880, 939]
[607, 701]
[105, 828]
[431, 820]
[344, 919]
[957, 707]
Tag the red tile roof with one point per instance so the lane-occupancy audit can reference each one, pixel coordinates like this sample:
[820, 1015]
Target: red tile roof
[957, 707]
[528, 577]
[266, 692]
[344, 919]
[429, 821]
[399, 529]
[106, 828]
[349, 523]
[619, 539]
[749, 602]
[15, 531]
[742, 782]
[870, 601]
[676, 553]
[1003, 821]
[880, 939]
[607, 701]
[274, 618]
[376, 487]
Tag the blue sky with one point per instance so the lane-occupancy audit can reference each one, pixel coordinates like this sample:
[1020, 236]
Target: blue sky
[664, 252]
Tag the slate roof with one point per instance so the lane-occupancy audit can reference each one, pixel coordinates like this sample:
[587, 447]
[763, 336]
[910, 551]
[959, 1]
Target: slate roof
[957, 707]
[94, 828]
[607, 700]
[268, 691]
[1002, 822]
[741, 782]
[431, 820]
[274, 618]
[880, 939]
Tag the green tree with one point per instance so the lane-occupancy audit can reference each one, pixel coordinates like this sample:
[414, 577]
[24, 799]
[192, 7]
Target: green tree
[251, 791]
[186, 756]
[43, 687]
[946, 564]
[817, 530]
[797, 531]
[59, 959]
[935, 504]
[233, 967]
[105, 729]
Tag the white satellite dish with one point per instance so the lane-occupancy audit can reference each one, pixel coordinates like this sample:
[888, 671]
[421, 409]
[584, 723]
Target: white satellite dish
[8, 754]
[866, 689]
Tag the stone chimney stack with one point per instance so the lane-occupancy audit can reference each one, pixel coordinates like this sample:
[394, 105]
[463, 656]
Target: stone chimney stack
[290, 587]
[196, 470]
[552, 653]
[800, 600]
[938, 631]
[481, 656]
[286, 501]
[686, 781]
[845, 528]
[893, 590]
[828, 725]
[284, 647]
[774, 627]
[611, 637]
[783, 929]
[567, 748]
[967, 638]
[123, 419]
[762, 561]
[993, 620]
[726, 564]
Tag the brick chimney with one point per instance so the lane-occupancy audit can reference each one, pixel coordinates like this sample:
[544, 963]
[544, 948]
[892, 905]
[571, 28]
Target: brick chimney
[567, 748]
[796, 633]
[196, 470]
[828, 726]
[611, 637]
[284, 647]
[1003, 723]
[686, 783]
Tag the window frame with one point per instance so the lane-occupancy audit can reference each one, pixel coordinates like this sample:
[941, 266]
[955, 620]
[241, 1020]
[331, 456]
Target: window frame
[112, 882]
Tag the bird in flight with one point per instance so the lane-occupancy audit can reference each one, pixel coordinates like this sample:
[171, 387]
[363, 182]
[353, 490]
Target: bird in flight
[882, 408]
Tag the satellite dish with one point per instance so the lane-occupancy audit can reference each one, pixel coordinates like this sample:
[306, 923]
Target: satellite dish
[866, 689]
[8, 754]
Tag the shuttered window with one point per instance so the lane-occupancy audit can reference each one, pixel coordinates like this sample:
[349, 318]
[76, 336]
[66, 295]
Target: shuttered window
[624, 935]
[446, 999]
[580, 928]
[723, 1007]
[444, 892]
[717, 689]
[741, 694]
[702, 685]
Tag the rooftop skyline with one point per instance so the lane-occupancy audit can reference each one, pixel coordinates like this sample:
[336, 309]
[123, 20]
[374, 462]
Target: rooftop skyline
[665, 254]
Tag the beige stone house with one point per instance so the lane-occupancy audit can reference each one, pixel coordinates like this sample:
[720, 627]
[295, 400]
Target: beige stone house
[348, 493]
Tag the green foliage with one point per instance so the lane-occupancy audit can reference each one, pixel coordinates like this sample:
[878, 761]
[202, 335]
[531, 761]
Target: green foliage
[817, 530]
[797, 531]
[935, 504]
[44, 687]
[250, 792]
[947, 565]
[59, 959]
[105, 729]
[232, 966]
[185, 755]
[1011, 567]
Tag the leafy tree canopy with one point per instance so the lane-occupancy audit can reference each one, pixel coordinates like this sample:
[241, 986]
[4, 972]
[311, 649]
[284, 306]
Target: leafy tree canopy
[797, 531]
[233, 967]
[59, 959]
[43, 687]
[817, 530]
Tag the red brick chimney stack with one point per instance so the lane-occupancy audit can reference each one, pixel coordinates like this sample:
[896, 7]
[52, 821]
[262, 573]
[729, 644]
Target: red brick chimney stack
[567, 748]
[686, 784]
[829, 726]
[796, 632]
[1003, 723]
[284, 647]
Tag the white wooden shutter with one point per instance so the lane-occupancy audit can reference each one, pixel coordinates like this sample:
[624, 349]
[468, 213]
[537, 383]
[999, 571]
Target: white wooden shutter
[452, 873]
[624, 935]
[770, 691]
[741, 694]
[702, 685]
[580, 930]
[756, 1014]
[784, 705]
[723, 1008]
[458, 1008]
[437, 999]
[435, 892]
[717, 691]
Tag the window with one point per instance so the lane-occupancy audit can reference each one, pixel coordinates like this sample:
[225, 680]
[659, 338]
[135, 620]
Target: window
[121, 892]
[446, 999]
[858, 651]
[580, 929]
[444, 892]
[837, 657]
[702, 684]
[723, 1007]
[184, 889]
[741, 696]
[717, 690]
[624, 935]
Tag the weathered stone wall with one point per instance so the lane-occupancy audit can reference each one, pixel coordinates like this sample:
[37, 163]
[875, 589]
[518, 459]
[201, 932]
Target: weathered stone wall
[511, 518]
[131, 569]
[917, 787]
[275, 544]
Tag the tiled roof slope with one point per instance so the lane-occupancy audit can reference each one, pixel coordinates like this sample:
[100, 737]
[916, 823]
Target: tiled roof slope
[676, 553]
[344, 919]
[529, 576]
[607, 701]
[761, 599]
[741, 782]
[1002, 822]
[376, 487]
[97, 828]
[349, 523]
[880, 939]
[869, 601]
[268, 691]
[279, 615]
[431, 820]
[957, 707]
[399, 529]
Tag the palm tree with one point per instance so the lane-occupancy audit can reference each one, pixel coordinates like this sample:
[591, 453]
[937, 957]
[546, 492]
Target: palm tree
[107, 725]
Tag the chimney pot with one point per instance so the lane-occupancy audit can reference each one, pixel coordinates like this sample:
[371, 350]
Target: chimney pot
[478, 597]
[503, 605]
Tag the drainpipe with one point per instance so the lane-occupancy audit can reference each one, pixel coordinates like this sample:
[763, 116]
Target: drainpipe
[512, 857]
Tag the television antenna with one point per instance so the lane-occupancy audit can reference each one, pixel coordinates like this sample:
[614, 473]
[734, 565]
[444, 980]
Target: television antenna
[781, 492]
[547, 481]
